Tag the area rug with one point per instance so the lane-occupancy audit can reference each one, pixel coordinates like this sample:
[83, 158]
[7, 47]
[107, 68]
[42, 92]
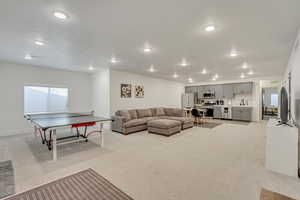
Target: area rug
[7, 180]
[85, 185]
[209, 125]
[268, 195]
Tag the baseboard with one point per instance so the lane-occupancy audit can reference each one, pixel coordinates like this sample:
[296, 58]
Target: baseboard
[5, 133]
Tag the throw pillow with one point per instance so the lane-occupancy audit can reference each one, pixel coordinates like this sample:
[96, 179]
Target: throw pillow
[144, 113]
[160, 112]
[133, 114]
[125, 114]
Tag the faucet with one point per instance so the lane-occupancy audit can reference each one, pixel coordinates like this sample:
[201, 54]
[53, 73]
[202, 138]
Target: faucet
[242, 102]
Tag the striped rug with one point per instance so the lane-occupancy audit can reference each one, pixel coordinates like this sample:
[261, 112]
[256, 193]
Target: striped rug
[85, 185]
[268, 195]
[7, 180]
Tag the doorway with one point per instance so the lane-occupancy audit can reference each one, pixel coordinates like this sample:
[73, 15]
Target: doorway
[270, 102]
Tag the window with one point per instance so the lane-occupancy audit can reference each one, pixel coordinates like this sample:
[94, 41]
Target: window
[45, 99]
[274, 100]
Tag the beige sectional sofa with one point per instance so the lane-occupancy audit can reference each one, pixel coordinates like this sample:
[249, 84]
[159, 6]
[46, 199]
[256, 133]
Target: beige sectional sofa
[130, 121]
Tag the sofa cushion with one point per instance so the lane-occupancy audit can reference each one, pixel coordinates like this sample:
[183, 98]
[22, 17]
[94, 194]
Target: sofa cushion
[165, 131]
[136, 122]
[125, 114]
[133, 114]
[144, 113]
[174, 112]
[163, 123]
[183, 120]
[153, 111]
[160, 112]
[168, 111]
[178, 112]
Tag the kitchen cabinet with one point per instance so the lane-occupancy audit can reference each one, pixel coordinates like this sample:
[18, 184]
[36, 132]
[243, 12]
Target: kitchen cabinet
[209, 88]
[218, 89]
[217, 112]
[242, 113]
[228, 91]
[235, 113]
[194, 89]
[188, 89]
[191, 89]
[200, 91]
[249, 88]
[225, 91]
[243, 88]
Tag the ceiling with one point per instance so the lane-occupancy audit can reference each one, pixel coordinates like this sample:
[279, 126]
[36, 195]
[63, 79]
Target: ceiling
[261, 31]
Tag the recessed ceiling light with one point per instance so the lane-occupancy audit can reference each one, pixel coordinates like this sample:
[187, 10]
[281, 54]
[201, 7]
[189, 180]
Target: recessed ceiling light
[234, 54]
[184, 63]
[190, 79]
[91, 68]
[151, 69]
[216, 76]
[210, 28]
[204, 71]
[242, 75]
[147, 50]
[28, 57]
[113, 60]
[60, 15]
[175, 75]
[250, 72]
[245, 65]
[39, 42]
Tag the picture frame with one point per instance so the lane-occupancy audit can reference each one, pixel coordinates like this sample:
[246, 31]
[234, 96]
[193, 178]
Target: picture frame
[126, 90]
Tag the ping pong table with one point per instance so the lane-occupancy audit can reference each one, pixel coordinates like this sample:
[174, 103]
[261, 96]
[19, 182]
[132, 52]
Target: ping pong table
[46, 125]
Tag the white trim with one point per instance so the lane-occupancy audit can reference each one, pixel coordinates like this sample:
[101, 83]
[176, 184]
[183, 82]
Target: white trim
[273, 78]
[5, 133]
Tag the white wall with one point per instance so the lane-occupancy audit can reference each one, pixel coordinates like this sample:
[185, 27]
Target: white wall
[101, 94]
[13, 77]
[294, 68]
[158, 92]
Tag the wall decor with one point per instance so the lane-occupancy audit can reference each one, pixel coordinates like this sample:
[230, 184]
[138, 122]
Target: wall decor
[139, 91]
[125, 90]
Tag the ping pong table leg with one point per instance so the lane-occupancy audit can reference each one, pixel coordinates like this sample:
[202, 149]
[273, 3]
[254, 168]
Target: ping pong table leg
[101, 135]
[35, 131]
[54, 147]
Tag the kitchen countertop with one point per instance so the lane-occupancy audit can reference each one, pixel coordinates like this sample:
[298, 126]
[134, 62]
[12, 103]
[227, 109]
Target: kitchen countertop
[246, 106]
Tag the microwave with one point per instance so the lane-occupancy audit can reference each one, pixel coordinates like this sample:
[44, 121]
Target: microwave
[208, 95]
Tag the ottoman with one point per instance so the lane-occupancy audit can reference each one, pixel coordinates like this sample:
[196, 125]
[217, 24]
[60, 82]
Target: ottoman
[165, 127]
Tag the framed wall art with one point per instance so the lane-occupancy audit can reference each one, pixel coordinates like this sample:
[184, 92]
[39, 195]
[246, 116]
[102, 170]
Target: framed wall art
[139, 91]
[125, 90]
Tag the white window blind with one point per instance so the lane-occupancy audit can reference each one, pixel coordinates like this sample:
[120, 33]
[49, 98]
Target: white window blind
[45, 99]
[274, 100]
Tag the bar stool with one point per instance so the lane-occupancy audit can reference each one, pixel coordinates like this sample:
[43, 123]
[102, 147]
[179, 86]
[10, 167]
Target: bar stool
[202, 112]
[196, 115]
